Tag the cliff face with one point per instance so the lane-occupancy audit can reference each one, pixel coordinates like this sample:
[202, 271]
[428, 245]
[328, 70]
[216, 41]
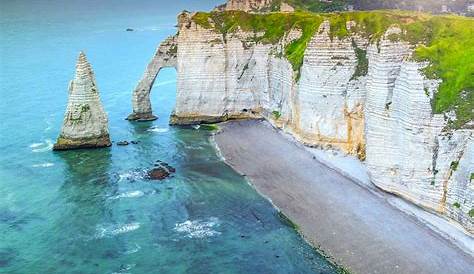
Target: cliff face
[364, 98]
[85, 121]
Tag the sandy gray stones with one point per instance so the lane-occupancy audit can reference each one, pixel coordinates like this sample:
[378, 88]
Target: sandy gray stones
[85, 122]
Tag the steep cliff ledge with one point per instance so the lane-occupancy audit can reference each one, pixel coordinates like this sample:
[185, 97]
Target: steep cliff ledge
[85, 121]
[394, 88]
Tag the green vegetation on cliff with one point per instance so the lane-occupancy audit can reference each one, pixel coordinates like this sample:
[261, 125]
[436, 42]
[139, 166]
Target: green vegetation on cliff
[445, 42]
[273, 25]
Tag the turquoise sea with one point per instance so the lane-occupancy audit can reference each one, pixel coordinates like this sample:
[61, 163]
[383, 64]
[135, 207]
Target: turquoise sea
[92, 211]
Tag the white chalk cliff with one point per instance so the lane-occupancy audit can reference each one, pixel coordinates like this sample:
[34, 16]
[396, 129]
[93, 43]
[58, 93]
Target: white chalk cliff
[85, 122]
[384, 115]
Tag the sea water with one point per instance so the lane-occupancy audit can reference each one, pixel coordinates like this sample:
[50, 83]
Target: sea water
[93, 211]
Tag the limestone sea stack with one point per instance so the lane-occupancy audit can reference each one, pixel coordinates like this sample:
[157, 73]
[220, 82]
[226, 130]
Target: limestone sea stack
[85, 122]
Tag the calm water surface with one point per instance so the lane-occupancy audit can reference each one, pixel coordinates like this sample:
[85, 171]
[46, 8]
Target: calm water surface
[91, 211]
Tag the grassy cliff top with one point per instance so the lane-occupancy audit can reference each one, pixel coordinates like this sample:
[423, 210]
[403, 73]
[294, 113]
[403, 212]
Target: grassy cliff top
[446, 42]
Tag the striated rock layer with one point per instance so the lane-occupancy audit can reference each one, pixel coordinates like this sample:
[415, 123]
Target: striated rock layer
[85, 121]
[381, 112]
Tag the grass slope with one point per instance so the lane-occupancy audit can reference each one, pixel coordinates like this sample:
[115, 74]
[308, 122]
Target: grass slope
[446, 42]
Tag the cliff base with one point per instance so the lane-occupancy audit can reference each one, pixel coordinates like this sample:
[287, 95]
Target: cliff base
[66, 144]
[193, 119]
[142, 117]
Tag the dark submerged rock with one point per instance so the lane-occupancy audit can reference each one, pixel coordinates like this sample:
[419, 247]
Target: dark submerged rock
[122, 143]
[158, 174]
[160, 171]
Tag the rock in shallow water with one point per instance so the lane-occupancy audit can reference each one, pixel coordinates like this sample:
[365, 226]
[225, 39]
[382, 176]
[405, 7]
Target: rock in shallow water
[122, 143]
[161, 171]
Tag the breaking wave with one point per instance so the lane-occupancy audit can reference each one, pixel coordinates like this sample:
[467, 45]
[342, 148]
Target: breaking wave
[43, 165]
[133, 175]
[158, 129]
[129, 194]
[42, 147]
[135, 249]
[112, 230]
[198, 228]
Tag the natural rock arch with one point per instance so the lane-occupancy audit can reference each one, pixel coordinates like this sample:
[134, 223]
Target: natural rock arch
[165, 56]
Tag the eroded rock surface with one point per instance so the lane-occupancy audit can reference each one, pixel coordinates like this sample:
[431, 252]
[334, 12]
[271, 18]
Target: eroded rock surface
[366, 99]
[165, 56]
[85, 122]
[160, 171]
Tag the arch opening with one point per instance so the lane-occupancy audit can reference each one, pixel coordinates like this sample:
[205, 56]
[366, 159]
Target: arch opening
[165, 57]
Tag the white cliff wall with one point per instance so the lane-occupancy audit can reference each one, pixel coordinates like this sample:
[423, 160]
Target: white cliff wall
[384, 117]
[407, 151]
[328, 103]
[218, 77]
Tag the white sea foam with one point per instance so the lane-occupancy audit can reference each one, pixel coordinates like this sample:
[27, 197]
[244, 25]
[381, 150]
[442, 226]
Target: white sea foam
[196, 126]
[198, 228]
[124, 269]
[112, 230]
[132, 175]
[42, 147]
[135, 249]
[129, 194]
[158, 129]
[194, 147]
[43, 165]
[49, 124]
[35, 145]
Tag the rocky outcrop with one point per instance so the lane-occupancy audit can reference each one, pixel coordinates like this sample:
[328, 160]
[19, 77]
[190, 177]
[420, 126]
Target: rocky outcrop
[85, 121]
[366, 99]
[165, 56]
[160, 171]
